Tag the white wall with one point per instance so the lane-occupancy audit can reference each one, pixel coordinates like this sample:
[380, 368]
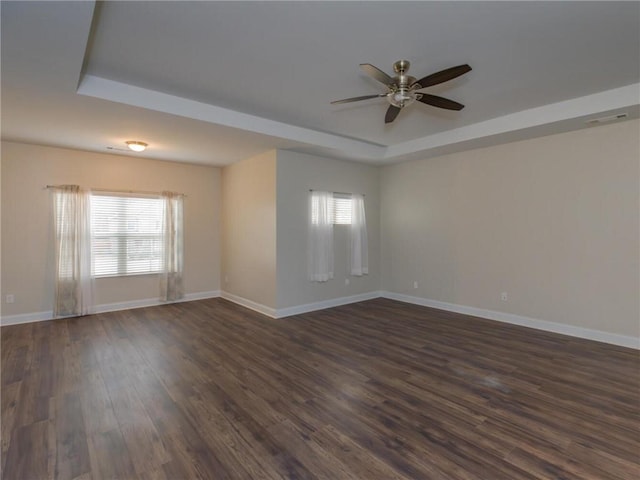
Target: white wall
[553, 221]
[27, 257]
[249, 229]
[297, 173]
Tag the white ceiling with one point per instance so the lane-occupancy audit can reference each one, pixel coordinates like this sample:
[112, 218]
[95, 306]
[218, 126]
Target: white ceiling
[216, 82]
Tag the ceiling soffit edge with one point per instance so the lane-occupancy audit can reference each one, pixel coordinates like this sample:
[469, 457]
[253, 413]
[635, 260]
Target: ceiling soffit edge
[618, 98]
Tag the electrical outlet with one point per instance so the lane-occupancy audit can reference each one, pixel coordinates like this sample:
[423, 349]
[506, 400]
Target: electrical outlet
[415, 284]
[10, 298]
[504, 297]
[347, 281]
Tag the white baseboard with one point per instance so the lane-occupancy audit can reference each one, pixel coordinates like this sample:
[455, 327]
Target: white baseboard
[152, 302]
[297, 309]
[107, 307]
[250, 304]
[564, 329]
[334, 302]
[26, 318]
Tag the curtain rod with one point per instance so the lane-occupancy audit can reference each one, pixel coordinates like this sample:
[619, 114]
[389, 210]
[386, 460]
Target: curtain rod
[112, 190]
[339, 193]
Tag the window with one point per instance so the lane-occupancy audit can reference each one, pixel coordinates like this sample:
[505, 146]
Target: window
[340, 209]
[126, 235]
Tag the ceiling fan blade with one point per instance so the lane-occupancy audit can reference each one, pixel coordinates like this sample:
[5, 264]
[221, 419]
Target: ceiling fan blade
[443, 76]
[440, 102]
[376, 73]
[357, 99]
[392, 113]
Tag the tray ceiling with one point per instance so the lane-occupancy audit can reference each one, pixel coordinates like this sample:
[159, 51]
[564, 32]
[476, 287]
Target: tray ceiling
[214, 82]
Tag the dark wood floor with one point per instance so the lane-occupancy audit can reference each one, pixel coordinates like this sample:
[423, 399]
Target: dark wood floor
[375, 390]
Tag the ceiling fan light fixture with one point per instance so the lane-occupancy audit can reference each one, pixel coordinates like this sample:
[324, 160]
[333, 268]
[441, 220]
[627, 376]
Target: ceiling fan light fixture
[136, 145]
[402, 98]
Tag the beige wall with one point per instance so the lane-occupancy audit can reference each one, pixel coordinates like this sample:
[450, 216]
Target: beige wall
[297, 173]
[27, 258]
[249, 229]
[553, 221]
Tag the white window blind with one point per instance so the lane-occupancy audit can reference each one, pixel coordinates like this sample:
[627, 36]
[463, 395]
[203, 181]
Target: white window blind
[126, 235]
[340, 209]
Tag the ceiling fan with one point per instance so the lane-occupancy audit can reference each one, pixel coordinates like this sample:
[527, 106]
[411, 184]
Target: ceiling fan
[403, 89]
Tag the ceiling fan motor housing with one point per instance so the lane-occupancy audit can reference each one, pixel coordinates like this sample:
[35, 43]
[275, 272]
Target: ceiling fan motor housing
[401, 92]
[401, 66]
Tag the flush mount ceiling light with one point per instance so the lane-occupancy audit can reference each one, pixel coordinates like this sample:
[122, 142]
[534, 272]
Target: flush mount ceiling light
[136, 146]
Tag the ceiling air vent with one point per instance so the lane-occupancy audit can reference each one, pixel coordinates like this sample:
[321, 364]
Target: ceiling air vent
[610, 118]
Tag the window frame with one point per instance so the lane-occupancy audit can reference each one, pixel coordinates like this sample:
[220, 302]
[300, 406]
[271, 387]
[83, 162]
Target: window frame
[123, 266]
[338, 215]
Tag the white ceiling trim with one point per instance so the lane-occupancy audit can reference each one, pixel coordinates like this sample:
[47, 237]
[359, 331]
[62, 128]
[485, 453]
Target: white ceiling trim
[153, 100]
[500, 129]
[617, 98]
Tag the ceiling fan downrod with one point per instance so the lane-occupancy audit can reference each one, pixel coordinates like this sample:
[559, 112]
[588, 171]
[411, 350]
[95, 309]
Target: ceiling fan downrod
[403, 89]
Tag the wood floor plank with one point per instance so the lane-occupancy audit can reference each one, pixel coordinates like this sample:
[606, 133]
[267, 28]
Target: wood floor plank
[373, 390]
[109, 456]
[596, 459]
[145, 447]
[190, 455]
[360, 461]
[242, 428]
[96, 405]
[72, 459]
[14, 365]
[28, 454]
[32, 405]
[10, 395]
[310, 453]
[216, 429]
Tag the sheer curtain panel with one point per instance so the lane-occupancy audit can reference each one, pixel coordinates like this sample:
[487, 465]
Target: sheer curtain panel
[359, 245]
[320, 249]
[171, 287]
[73, 286]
